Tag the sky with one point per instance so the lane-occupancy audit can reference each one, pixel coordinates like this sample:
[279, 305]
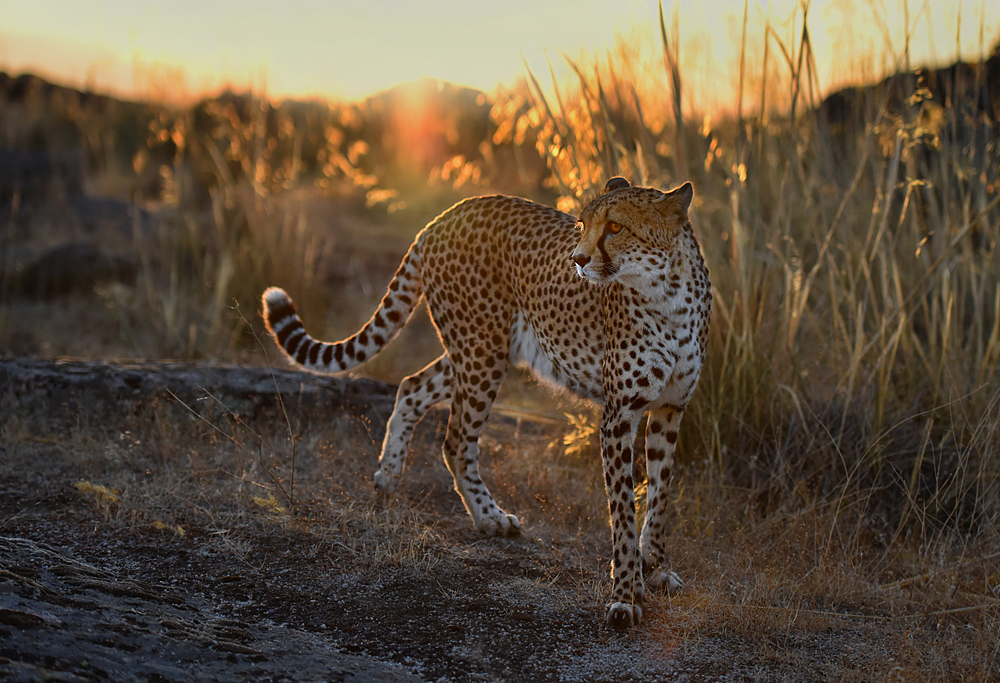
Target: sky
[333, 49]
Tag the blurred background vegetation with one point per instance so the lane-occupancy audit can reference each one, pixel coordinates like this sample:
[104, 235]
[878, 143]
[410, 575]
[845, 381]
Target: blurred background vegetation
[852, 376]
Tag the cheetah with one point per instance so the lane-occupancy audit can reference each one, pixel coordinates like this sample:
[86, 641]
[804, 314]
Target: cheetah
[613, 305]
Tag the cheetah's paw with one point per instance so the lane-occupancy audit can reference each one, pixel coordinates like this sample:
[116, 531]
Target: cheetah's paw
[662, 579]
[623, 615]
[385, 483]
[499, 524]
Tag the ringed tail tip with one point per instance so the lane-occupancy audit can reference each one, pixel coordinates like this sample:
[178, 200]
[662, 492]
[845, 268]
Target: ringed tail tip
[277, 306]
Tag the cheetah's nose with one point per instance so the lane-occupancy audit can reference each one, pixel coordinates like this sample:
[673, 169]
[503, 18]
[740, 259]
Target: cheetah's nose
[581, 259]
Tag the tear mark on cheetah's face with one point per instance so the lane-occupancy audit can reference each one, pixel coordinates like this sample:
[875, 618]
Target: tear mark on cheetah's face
[629, 334]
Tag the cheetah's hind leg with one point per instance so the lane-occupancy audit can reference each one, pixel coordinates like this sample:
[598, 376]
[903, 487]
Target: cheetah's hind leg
[416, 394]
[472, 398]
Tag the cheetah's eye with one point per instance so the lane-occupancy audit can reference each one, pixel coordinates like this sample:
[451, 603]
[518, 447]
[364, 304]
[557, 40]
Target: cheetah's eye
[614, 227]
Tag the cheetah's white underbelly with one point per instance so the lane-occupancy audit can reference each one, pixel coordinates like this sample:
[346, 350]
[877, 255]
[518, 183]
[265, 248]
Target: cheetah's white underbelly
[527, 352]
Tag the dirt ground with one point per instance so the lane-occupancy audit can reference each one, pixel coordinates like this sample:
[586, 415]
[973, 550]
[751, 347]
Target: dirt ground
[101, 588]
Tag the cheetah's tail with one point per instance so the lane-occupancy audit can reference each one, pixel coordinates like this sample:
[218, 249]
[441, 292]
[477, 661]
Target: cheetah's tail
[283, 322]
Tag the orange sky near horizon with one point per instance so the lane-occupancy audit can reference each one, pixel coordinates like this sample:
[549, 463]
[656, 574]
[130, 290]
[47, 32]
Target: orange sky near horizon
[337, 50]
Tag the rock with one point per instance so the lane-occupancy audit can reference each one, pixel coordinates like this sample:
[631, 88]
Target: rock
[69, 269]
[32, 174]
[108, 217]
[59, 389]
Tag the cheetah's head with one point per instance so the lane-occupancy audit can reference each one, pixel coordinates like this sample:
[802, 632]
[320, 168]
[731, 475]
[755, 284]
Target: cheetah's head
[627, 233]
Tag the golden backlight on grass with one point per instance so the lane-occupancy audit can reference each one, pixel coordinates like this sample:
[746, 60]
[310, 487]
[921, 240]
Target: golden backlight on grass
[839, 466]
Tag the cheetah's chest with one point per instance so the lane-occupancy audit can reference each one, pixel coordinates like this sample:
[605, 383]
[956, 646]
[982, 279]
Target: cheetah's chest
[654, 348]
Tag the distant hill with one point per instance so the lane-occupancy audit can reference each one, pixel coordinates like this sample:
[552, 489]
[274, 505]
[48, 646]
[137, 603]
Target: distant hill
[963, 91]
[53, 135]
[49, 130]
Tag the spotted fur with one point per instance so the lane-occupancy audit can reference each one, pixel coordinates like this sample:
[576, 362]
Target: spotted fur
[626, 327]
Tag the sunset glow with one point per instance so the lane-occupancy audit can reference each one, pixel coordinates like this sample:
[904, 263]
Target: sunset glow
[339, 50]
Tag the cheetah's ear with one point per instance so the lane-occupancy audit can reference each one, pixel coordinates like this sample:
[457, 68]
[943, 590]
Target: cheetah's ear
[616, 183]
[678, 200]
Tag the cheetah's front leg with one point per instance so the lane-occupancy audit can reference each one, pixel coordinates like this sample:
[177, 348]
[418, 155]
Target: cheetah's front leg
[661, 438]
[618, 430]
